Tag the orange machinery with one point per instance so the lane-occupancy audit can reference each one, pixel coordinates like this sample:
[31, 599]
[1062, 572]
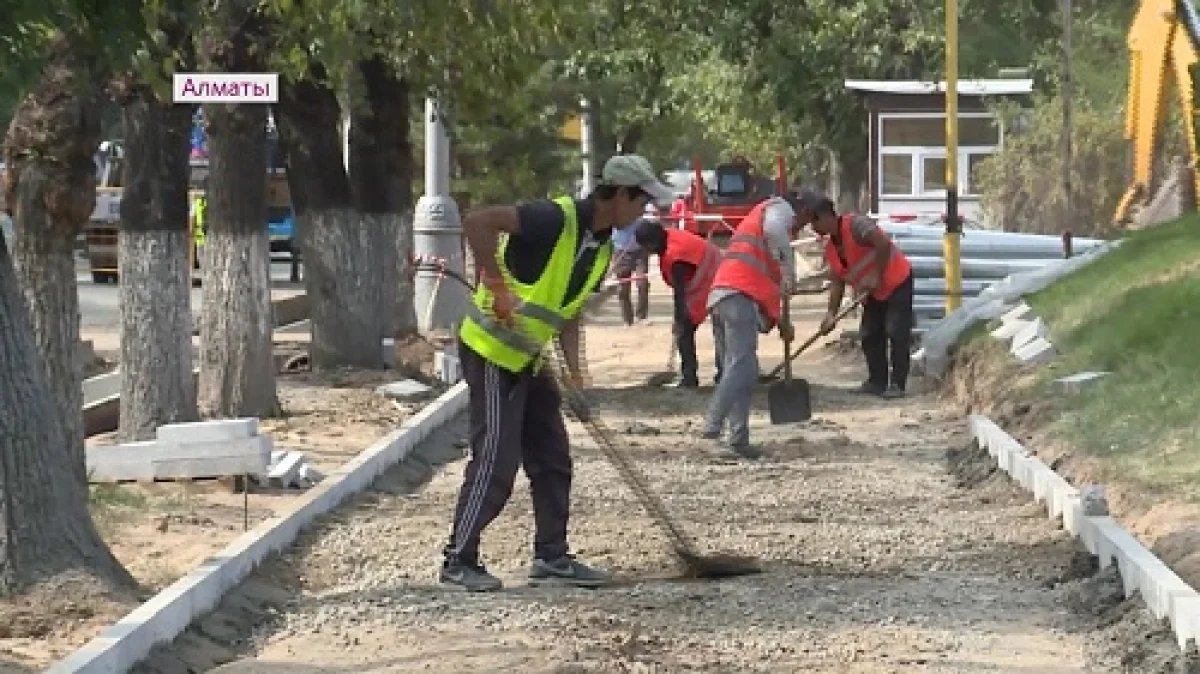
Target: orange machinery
[716, 213]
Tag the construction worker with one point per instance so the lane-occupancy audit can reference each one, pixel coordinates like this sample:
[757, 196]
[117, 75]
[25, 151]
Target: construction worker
[630, 264]
[199, 226]
[755, 272]
[538, 264]
[688, 264]
[860, 254]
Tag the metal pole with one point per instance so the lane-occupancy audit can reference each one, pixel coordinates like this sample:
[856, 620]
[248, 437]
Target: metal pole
[345, 138]
[1067, 94]
[952, 241]
[437, 230]
[587, 146]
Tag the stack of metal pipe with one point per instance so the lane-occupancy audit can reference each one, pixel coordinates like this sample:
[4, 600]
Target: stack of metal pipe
[986, 257]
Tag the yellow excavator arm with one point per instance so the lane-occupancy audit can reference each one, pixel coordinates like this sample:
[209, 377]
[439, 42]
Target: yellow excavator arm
[1162, 49]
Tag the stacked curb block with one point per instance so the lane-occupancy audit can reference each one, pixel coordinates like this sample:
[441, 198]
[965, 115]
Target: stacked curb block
[167, 614]
[1027, 335]
[1165, 594]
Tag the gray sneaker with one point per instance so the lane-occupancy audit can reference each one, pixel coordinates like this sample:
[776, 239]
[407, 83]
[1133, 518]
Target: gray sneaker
[470, 577]
[566, 571]
[893, 393]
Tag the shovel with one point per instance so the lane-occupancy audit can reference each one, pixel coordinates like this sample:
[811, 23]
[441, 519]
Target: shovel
[788, 401]
[788, 358]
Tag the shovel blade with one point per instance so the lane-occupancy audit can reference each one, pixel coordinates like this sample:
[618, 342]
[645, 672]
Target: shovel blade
[789, 402]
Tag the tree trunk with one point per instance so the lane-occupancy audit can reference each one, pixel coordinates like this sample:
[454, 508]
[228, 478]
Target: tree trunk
[157, 386]
[51, 189]
[45, 527]
[237, 364]
[381, 174]
[343, 252]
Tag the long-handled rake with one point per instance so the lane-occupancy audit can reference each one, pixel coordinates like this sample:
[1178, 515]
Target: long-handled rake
[696, 565]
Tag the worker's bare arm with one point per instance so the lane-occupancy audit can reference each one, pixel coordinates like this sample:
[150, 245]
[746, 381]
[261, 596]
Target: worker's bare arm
[837, 291]
[569, 338]
[482, 229]
[882, 246]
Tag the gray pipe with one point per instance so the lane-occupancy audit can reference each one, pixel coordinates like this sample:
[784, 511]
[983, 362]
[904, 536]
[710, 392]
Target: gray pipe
[903, 231]
[996, 268]
[1007, 250]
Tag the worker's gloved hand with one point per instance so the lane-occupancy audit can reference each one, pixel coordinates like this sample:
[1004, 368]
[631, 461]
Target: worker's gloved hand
[828, 324]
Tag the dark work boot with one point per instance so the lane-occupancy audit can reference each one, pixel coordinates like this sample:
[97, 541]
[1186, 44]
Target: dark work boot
[872, 388]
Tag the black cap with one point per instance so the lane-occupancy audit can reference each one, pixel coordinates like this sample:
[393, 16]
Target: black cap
[810, 201]
[649, 233]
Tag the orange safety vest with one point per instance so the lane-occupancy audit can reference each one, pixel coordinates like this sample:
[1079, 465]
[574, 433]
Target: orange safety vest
[748, 266]
[684, 246]
[859, 261]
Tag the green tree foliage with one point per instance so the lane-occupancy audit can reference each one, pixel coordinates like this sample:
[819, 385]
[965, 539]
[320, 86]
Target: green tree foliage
[1019, 185]
[1016, 190]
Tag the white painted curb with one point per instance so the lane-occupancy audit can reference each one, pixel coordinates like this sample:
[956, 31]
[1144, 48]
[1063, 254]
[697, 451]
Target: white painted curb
[167, 614]
[1165, 593]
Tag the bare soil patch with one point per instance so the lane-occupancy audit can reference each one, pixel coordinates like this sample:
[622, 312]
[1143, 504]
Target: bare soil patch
[161, 531]
[985, 381]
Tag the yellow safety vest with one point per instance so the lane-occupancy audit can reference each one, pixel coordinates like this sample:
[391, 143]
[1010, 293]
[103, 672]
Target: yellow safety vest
[541, 313]
[201, 207]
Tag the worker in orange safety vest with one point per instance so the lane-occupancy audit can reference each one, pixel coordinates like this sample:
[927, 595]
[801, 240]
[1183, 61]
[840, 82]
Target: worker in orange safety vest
[757, 270]
[860, 254]
[688, 264]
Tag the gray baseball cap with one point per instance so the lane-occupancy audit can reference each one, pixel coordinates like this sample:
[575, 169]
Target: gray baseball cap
[632, 170]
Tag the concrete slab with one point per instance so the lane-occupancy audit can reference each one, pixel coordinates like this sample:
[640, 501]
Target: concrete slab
[216, 430]
[405, 390]
[311, 475]
[101, 386]
[286, 473]
[1078, 382]
[167, 614]
[160, 460]
[1031, 331]
[1037, 352]
[1016, 313]
[1008, 330]
[447, 367]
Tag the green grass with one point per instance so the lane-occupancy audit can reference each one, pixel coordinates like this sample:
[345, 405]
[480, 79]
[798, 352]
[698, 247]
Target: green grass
[1135, 313]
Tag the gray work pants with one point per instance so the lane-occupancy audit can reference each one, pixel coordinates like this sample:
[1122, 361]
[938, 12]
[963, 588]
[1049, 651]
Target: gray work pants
[735, 327]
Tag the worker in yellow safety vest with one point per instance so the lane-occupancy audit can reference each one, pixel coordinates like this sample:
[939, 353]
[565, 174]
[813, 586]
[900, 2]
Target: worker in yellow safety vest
[199, 226]
[539, 263]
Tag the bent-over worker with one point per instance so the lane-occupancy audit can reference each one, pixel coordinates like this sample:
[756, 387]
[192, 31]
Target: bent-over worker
[539, 263]
[755, 273]
[859, 253]
[630, 264]
[688, 264]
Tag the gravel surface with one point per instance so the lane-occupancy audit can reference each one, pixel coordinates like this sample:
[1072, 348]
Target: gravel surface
[887, 547]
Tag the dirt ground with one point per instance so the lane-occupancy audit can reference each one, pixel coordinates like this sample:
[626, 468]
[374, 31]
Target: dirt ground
[161, 531]
[1170, 527]
[888, 545]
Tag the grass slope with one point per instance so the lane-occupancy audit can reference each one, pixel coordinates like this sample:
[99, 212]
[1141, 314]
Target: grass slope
[1134, 313]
